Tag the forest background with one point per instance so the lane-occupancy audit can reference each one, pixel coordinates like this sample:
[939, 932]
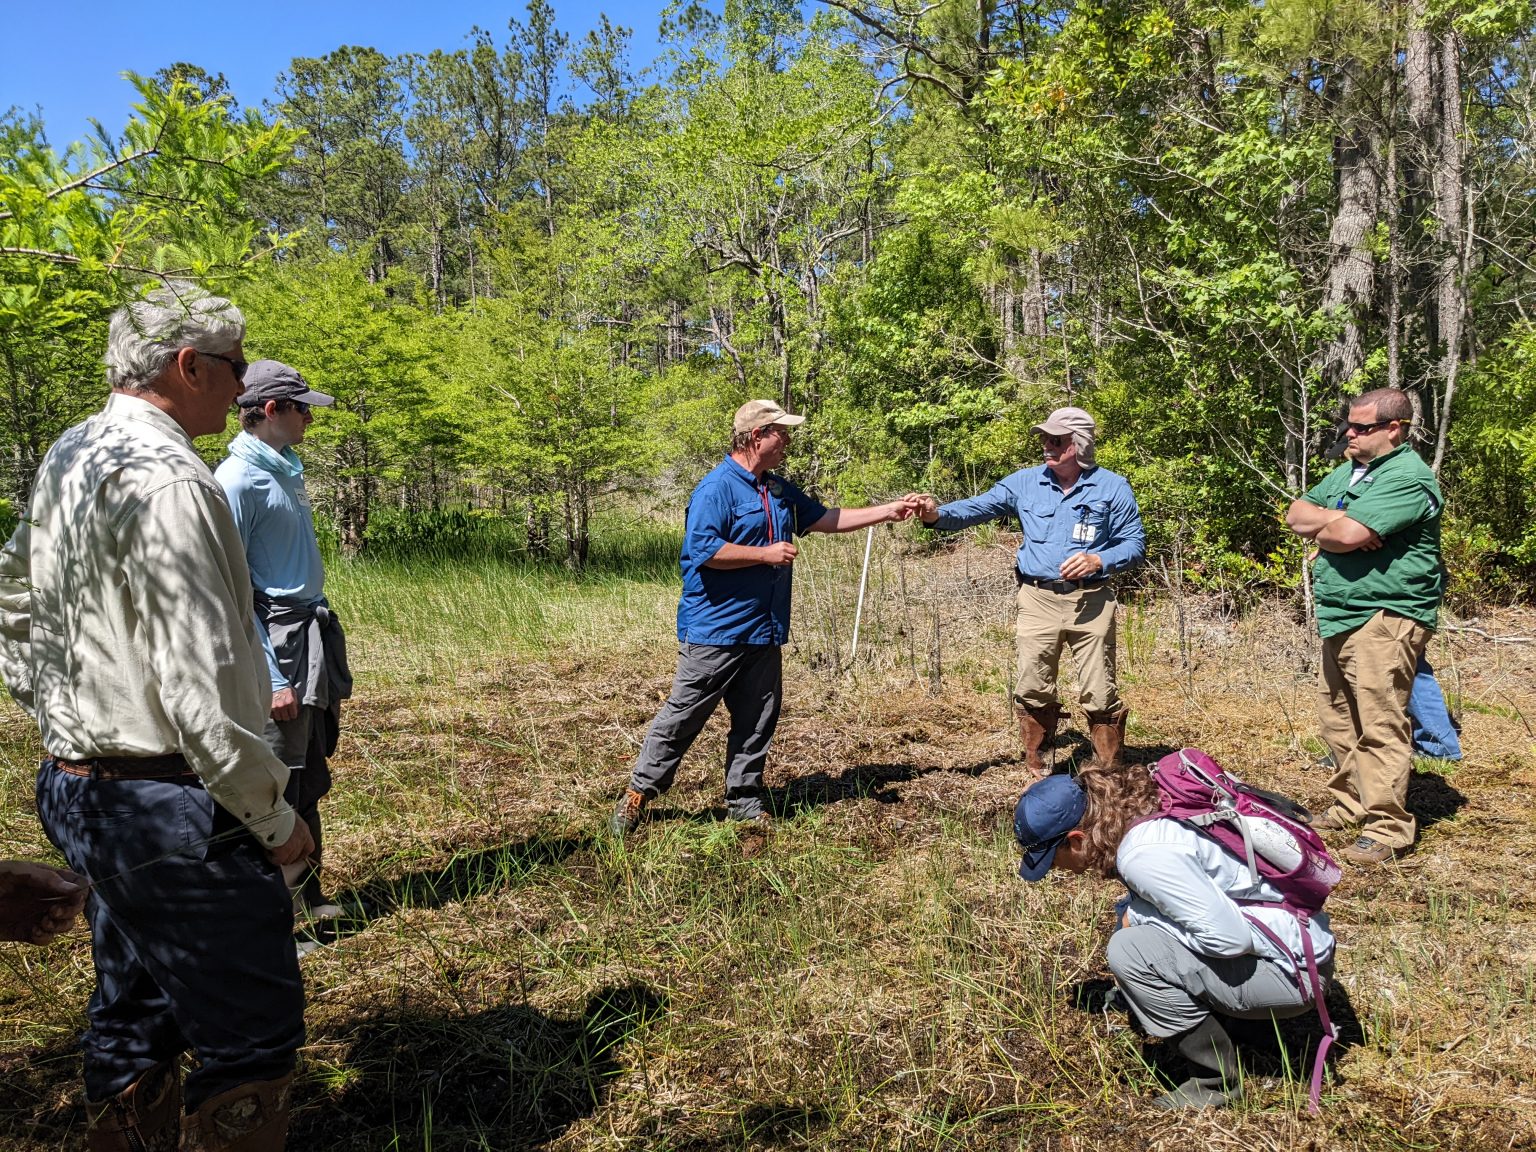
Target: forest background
[538, 280]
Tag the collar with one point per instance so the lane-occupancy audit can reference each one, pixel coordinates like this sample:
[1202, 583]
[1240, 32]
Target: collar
[123, 406]
[1380, 460]
[1084, 477]
[262, 455]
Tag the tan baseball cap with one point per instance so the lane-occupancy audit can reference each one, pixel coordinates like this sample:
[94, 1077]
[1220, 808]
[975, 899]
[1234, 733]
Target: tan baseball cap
[1066, 422]
[755, 414]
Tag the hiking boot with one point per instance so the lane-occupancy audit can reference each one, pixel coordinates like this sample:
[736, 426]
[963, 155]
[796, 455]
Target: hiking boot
[1106, 730]
[762, 819]
[1209, 1048]
[1037, 728]
[626, 814]
[1333, 820]
[143, 1117]
[1370, 851]
[246, 1118]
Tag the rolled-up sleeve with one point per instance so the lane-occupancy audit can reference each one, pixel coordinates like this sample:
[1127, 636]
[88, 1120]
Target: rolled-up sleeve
[192, 600]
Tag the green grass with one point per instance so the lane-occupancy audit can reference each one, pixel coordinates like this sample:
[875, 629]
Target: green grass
[872, 975]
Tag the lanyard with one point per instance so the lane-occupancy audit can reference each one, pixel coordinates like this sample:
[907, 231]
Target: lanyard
[767, 509]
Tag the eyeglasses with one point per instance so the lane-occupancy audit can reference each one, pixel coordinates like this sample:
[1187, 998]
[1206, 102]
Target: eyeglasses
[1366, 429]
[297, 405]
[1048, 842]
[238, 367]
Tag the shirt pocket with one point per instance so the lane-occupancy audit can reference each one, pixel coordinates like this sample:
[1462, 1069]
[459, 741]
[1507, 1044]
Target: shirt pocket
[1089, 521]
[749, 524]
[1037, 518]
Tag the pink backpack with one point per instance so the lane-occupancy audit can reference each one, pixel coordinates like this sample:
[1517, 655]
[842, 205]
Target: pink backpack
[1274, 838]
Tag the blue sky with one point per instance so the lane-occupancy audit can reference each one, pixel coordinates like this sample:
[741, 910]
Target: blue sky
[67, 55]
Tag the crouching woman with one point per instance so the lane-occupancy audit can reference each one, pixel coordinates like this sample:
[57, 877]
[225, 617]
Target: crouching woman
[1186, 950]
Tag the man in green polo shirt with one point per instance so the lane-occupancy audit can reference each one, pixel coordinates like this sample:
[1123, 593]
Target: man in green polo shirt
[1378, 582]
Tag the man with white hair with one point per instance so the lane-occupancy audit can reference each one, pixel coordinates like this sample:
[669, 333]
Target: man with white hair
[1081, 525]
[733, 617]
[126, 631]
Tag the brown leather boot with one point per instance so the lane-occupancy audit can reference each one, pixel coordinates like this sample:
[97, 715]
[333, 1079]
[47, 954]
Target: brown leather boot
[1037, 728]
[246, 1118]
[1107, 732]
[143, 1117]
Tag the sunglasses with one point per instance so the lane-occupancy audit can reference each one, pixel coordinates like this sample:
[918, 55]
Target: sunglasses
[1056, 441]
[297, 405]
[1366, 429]
[238, 367]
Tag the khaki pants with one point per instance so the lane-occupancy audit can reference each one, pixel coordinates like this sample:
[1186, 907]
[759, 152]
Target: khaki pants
[1362, 705]
[1083, 621]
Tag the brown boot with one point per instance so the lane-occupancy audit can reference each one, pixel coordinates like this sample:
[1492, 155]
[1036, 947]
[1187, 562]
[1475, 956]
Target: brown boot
[143, 1117]
[1107, 732]
[246, 1118]
[626, 814]
[1037, 728]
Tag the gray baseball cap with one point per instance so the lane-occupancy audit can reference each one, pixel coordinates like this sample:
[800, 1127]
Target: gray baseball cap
[273, 380]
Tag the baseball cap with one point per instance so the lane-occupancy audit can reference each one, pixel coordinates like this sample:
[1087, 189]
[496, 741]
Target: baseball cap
[1066, 422]
[755, 414]
[1047, 811]
[273, 380]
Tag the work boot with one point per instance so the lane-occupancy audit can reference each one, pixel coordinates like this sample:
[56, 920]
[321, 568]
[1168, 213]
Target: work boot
[1107, 732]
[1207, 1047]
[143, 1117]
[1037, 728]
[247, 1118]
[626, 815]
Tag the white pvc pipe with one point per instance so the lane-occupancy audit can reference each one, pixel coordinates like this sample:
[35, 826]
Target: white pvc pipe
[858, 613]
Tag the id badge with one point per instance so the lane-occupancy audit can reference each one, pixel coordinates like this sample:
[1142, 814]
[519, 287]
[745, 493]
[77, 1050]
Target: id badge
[1083, 532]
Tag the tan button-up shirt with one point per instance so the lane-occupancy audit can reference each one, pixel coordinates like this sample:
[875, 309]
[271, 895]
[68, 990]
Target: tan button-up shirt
[125, 613]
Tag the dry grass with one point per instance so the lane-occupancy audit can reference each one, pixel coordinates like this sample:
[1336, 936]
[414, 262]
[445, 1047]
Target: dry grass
[871, 974]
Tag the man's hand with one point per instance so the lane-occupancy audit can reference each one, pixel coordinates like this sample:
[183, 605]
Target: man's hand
[781, 553]
[925, 505]
[300, 846]
[285, 704]
[38, 902]
[1081, 565]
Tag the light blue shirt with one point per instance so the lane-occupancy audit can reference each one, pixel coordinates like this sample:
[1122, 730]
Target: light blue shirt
[1099, 515]
[266, 493]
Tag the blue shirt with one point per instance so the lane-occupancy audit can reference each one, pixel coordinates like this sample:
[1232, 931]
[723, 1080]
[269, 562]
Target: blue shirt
[266, 494]
[1099, 515]
[739, 605]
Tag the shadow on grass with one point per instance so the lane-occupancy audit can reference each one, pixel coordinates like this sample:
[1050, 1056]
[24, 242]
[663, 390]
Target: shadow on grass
[1271, 1048]
[1432, 798]
[468, 875]
[504, 1079]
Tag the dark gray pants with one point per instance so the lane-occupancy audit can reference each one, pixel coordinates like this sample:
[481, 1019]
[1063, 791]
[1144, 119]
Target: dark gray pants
[749, 679]
[1173, 989]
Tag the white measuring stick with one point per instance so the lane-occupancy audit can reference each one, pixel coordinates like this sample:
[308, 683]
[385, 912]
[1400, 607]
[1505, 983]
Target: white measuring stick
[858, 613]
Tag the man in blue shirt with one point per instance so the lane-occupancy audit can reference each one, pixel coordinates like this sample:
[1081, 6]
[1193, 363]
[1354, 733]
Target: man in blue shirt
[263, 478]
[1081, 525]
[733, 617]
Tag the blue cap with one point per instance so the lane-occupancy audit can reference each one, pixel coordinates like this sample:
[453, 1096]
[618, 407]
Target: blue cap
[1047, 811]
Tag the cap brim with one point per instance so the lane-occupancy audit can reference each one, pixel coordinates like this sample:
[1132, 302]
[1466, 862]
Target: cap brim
[1052, 429]
[315, 399]
[1036, 864]
[788, 420]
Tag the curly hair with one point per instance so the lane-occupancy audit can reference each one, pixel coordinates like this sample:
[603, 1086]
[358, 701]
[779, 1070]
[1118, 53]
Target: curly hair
[1117, 798]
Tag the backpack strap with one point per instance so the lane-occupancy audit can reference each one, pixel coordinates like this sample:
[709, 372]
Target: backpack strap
[1310, 983]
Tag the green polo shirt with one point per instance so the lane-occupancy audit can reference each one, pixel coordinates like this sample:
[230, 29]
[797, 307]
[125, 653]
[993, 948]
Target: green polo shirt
[1399, 499]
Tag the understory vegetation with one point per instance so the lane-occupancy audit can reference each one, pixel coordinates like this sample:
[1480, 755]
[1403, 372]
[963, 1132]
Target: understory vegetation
[869, 975]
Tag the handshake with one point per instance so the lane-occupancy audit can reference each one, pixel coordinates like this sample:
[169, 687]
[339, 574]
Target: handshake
[919, 504]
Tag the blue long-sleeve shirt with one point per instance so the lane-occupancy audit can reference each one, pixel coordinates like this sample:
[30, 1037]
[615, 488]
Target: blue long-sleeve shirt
[271, 507]
[1099, 515]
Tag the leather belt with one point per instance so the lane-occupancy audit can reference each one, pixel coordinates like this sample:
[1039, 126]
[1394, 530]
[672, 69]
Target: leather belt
[1060, 587]
[170, 766]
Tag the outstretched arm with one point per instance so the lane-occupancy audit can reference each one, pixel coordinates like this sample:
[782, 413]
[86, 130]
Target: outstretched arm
[852, 519]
